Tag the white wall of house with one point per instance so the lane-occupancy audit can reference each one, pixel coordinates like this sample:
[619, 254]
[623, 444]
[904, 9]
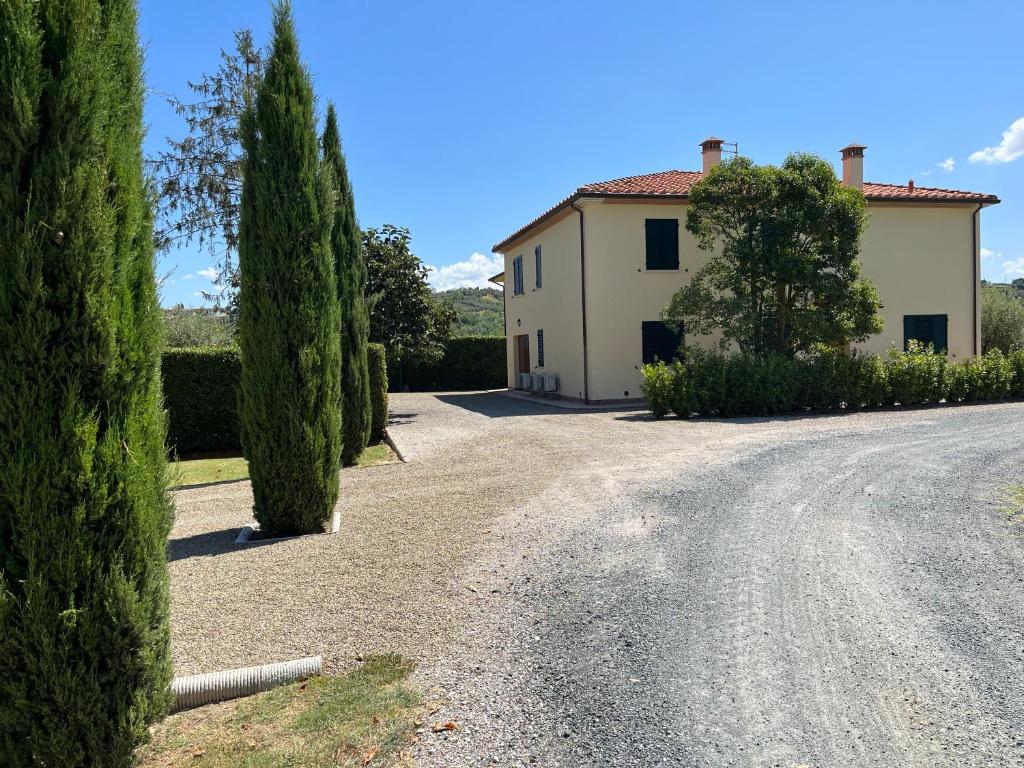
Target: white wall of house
[924, 261]
[921, 258]
[555, 307]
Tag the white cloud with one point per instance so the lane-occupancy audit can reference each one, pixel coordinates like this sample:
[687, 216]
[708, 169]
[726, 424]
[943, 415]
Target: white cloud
[1010, 148]
[188, 276]
[209, 273]
[947, 165]
[1013, 268]
[988, 252]
[469, 273]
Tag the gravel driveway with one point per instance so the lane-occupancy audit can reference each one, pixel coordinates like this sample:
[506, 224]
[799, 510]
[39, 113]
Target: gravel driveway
[597, 588]
[839, 591]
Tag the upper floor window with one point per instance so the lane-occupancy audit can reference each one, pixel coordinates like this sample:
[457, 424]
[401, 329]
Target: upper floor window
[517, 275]
[662, 243]
[927, 329]
[537, 265]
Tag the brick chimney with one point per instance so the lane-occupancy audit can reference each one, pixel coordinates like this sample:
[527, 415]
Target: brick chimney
[853, 165]
[711, 152]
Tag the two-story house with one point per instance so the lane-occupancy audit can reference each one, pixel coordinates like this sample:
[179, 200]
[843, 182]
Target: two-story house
[585, 280]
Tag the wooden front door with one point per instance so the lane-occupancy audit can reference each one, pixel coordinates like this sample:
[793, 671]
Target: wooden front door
[522, 355]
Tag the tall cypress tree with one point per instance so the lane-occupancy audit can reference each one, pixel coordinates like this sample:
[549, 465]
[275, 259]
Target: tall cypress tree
[346, 242]
[290, 392]
[84, 516]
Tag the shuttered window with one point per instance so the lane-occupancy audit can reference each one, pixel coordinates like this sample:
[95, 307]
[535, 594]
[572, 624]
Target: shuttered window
[662, 243]
[517, 275]
[927, 329]
[536, 265]
[540, 347]
[659, 341]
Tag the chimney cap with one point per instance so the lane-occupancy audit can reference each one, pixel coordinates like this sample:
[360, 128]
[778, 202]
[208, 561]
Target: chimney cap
[712, 142]
[853, 150]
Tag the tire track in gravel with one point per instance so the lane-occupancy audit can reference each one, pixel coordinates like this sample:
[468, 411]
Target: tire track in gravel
[845, 597]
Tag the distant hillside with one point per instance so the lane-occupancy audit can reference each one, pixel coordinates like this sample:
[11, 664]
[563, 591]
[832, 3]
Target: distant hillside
[478, 311]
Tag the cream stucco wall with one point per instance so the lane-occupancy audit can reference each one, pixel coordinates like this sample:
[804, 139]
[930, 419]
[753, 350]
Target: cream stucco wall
[920, 258]
[923, 261]
[555, 307]
[622, 293]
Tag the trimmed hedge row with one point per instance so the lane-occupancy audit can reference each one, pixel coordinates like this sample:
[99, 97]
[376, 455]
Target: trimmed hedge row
[200, 390]
[377, 360]
[200, 397]
[712, 384]
[469, 362]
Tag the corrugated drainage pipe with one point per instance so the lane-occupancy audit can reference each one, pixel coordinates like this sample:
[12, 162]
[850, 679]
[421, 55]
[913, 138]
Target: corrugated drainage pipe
[196, 690]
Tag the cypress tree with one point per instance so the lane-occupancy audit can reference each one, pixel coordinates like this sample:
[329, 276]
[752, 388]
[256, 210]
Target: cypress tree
[346, 242]
[290, 390]
[84, 516]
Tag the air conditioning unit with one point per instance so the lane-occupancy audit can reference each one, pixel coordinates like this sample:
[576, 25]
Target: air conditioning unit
[538, 383]
[550, 383]
[525, 381]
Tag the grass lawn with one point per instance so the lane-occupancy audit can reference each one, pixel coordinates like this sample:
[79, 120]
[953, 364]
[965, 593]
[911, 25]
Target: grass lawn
[198, 471]
[367, 717]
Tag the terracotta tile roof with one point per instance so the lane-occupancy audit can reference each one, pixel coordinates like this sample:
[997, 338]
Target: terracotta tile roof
[873, 191]
[664, 183]
[678, 184]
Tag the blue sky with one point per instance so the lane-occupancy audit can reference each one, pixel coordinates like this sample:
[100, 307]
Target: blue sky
[462, 121]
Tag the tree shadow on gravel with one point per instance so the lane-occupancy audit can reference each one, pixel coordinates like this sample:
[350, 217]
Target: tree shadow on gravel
[496, 406]
[211, 544]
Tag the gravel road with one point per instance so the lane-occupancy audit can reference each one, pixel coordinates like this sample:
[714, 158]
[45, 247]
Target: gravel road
[834, 591]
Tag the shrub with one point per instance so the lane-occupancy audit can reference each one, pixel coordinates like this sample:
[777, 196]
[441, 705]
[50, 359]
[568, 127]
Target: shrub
[710, 383]
[657, 386]
[468, 362]
[84, 517]
[378, 368]
[915, 376]
[196, 328]
[289, 320]
[1016, 359]
[200, 395]
[1002, 319]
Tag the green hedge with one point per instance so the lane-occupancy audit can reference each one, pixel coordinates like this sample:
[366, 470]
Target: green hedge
[378, 366]
[200, 398]
[469, 362]
[712, 384]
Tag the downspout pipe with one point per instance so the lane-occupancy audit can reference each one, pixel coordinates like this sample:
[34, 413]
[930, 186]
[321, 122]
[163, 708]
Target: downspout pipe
[583, 304]
[974, 269]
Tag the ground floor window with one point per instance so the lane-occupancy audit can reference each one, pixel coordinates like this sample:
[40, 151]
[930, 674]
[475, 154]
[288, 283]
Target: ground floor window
[540, 348]
[659, 341]
[927, 329]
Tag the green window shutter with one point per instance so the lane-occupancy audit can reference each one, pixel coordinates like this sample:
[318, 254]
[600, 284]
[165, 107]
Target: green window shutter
[537, 265]
[658, 342]
[941, 332]
[909, 330]
[927, 329]
[662, 243]
[540, 347]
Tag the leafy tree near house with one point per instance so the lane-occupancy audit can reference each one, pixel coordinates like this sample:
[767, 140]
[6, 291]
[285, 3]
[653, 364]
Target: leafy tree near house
[84, 516]
[784, 274]
[199, 177]
[404, 316]
[290, 389]
[1002, 319]
[346, 243]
